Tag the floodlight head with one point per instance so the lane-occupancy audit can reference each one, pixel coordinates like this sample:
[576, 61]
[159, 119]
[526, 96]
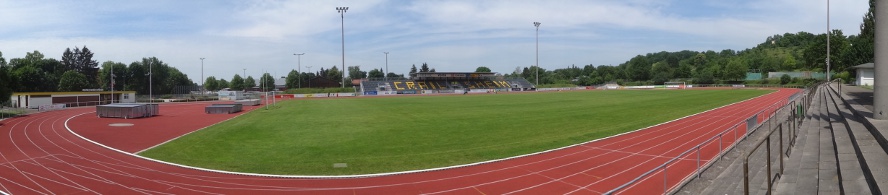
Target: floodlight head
[385, 52]
[298, 54]
[202, 58]
[537, 24]
[341, 9]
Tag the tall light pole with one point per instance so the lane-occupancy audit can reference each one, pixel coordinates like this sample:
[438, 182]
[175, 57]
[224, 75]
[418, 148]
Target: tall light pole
[385, 73]
[202, 77]
[827, 42]
[341, 11]
[150, 83]
[537, 25]
[299, 69]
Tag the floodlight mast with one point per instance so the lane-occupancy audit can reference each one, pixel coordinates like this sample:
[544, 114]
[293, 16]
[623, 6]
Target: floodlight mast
[537, 25]
[385, 74]
[299, 67]
[827, 42]
[342, 11]
[202, 92]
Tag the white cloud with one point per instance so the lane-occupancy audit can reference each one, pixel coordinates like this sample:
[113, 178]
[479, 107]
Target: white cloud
[456, 35]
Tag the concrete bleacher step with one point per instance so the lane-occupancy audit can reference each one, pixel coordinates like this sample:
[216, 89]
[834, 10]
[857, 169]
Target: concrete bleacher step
[801, 167]
[828, 175]
[812, 167]
[873, 158]
[730, 179]
[851, 172]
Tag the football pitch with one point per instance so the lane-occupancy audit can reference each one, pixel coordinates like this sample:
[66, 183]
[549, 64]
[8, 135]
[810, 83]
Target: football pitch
[401, 133]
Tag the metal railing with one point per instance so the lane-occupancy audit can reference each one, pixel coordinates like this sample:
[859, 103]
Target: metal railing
[703, 150]
[794, 119]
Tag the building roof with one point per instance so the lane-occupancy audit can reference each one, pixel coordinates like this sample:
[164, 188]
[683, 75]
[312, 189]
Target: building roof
[867, 65]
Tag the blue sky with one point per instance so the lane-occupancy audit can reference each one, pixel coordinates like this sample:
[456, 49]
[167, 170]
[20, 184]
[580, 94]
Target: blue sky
[449, 35]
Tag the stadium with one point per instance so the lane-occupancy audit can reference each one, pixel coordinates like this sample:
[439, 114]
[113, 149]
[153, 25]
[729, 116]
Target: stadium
[593, 116]
[595, 141]
[446, 82]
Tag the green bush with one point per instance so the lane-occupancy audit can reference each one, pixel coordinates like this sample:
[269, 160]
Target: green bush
[844, 75]
[785, 79]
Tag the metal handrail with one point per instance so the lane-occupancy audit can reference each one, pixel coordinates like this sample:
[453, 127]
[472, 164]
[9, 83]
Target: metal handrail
[697, 148]
[768, 156]
[794, 119]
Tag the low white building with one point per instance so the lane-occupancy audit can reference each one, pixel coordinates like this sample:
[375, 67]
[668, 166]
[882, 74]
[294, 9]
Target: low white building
[70, 99]
[865, 74]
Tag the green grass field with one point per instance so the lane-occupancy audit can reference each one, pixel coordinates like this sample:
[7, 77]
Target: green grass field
[374, 135]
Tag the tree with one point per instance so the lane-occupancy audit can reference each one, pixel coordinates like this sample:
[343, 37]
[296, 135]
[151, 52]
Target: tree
[789, 63]
[392, 75]
[120, 75]
[210, 84]
[482, 69]
[223, 84]
[815, 53]
[81, 61]
[292, 79]
[6, 81]
[249, 83]
[33, 57]
[637, 69]
[413, 69]
[333, 74]
[735, 70]
[425, 67]
[73, 81]
[267, 82]
[2, 60]
[237, 83]
[704, 76]
[354, 72]
[375, 73]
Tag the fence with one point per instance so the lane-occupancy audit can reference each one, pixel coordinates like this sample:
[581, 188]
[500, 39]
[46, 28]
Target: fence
[691, 160]
[210, 96]
[8, 112]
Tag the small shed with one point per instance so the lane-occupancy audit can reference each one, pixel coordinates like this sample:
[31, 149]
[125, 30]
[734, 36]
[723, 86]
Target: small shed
[71, 99]
[865, 74]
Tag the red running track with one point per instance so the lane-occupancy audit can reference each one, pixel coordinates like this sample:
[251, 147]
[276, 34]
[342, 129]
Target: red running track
[39, 155]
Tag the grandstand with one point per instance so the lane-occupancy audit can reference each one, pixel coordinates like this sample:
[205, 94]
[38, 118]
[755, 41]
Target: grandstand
[445, 82]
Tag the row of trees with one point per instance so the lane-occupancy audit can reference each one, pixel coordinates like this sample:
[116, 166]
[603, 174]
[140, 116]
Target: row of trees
[77, 71]
[800, 51]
